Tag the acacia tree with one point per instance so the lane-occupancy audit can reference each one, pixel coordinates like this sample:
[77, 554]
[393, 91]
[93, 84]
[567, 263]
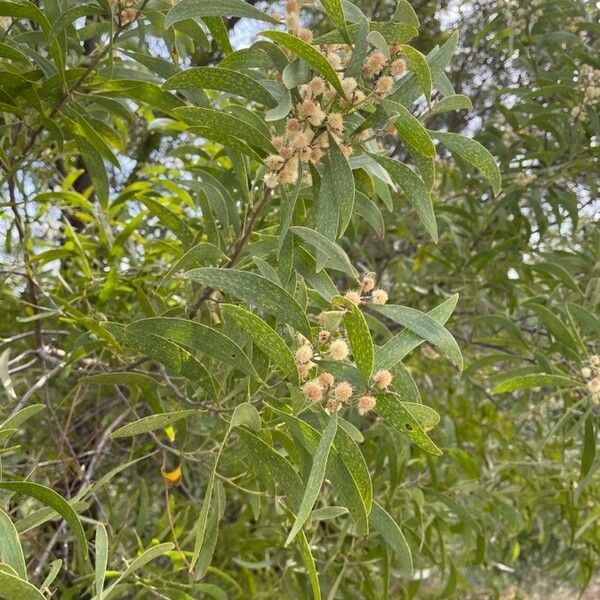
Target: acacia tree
[217, 278]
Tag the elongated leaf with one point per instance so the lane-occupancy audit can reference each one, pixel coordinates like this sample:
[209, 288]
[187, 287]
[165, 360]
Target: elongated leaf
[425, 326]
[53, 500]
[121, 378]
[151, 423]
[473, 152]
[170, 220]
[420, 67]
[257, 290]
[23, 415]
[11, 552]
[526, 382]
[192, 9]
[454, 102]
[202, 522]
[389, 530]
[334, 11]
[410, 129]
[426, 416]
[415, 190]
[197, 256]
[216, 122]
[395, 414]
[359, 337]
[198, 337]
[344, 482]
[349, 452]
[101, 559]
[224, 80]
[307, 53]
[341, 186]
[409, 88]
[139, 562]
[458, 509]
[405, 13]
[309, 563]
[13, 587]
[395, 349]
[336, 257]
[315, 478]
[393, 33]
[273, 467]
[265, 337]
[172, 355]
[246, 415]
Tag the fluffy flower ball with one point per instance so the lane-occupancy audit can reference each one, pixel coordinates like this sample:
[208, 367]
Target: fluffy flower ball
[338, 350]
[366, 404]
[382, 379]
[343, 391]
[379, 296]
[313, 390]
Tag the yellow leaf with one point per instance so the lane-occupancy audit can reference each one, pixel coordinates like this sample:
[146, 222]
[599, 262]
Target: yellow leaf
[173, 478]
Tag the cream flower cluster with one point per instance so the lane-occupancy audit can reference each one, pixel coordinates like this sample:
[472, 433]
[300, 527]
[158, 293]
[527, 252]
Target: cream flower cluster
[367, 292]
[592, 374]
[589, 86]
[320, 385]
[127, 13]
[318, 116]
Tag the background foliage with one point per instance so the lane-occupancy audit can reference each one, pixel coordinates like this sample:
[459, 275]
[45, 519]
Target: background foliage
[155, 437]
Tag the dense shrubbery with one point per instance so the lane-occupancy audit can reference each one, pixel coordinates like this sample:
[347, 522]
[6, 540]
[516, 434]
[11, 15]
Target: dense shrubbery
[239, 284]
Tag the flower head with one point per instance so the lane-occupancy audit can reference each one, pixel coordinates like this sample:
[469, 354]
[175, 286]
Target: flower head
[324, 336]
[593, 385]
[313, 390]
[335, 122]
[304, 354]
[398, 67]
[367, 284]
[366, 404]
[353, 296]
[382, 379]
[338, 350]
[326, 379]
[379, 296]
[343, 391]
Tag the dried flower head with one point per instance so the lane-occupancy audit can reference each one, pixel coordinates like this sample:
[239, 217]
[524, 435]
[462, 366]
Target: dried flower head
[379, 296]
[353, 296]
[292, 6]
[343, 391]
[398, 67]
[366, 404]
[333, 405]
[313, 390]
[586, 372]
[324, 336]
[317, 86]
[305, 34]
[595, 361]
[374, 64]
[326, 379]
[367, 283]
[383, 86]
[382, 379]
[338, 350]
[305, 369]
